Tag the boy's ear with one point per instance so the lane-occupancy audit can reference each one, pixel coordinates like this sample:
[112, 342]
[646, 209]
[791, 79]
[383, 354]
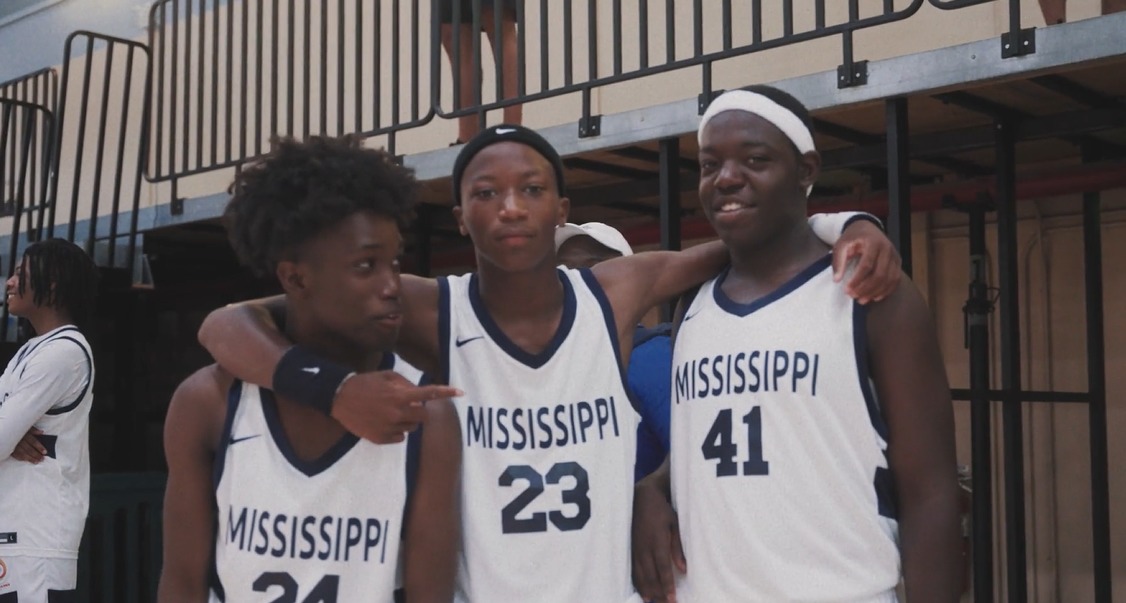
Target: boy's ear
[809, 168]
[460, 222]
[291, 275]
[564, 211]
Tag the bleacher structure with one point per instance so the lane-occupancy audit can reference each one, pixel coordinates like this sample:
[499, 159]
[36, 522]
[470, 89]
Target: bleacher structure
[1000, 142]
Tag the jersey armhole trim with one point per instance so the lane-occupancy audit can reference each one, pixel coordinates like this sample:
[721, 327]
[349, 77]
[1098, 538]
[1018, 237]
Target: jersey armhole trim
[612, 329]
[444, 309]
[234, 396]
[864, 373]
[85, 384]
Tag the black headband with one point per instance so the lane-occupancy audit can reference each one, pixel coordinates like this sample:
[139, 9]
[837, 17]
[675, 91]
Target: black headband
[505, 133]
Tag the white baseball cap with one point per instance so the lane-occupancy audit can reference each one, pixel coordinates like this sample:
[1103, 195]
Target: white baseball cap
[606, 235]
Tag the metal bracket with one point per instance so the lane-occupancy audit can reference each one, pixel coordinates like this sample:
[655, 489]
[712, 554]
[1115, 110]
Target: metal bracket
[177, 206]
[590, 125]
[703, 100]
[855, 74]
[1024, 44]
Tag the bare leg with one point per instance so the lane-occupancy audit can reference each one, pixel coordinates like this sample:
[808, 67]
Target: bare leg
[466, 74]
[505, 45]
[1053, 11]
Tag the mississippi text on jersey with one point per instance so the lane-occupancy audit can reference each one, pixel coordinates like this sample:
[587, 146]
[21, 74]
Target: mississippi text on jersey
[779, 466]
[287, 529]
[549, 443]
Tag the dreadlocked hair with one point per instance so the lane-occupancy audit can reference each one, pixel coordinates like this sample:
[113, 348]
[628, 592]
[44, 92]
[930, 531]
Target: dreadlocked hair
[63, 277]
[301, 188]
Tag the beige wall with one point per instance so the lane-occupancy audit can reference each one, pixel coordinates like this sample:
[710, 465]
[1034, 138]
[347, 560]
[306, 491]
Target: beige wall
[1057, 468]
[928, 29]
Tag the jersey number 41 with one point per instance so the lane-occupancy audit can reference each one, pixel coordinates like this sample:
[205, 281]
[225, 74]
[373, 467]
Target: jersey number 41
[719, 445]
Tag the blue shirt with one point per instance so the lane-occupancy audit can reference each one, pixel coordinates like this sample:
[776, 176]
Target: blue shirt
[649, 375]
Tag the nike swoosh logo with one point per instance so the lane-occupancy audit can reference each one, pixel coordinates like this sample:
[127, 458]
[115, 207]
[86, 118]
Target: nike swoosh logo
[235, 440]
[505, 130]
[312, 369]
[691, 316]
[461, 342]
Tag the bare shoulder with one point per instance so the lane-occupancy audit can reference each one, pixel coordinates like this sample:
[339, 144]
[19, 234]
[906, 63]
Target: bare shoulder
[420, 290]
[903, 309]
[199, 407]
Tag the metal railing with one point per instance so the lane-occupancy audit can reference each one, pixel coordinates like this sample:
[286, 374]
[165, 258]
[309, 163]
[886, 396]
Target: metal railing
[107, 84]
[230, 75]
[120, 556]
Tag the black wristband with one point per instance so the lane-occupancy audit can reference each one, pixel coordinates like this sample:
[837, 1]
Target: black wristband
[865, 216]
[306, 378]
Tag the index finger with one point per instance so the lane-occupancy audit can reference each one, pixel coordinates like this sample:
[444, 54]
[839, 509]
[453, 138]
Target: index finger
[865, 269]
[423, 393]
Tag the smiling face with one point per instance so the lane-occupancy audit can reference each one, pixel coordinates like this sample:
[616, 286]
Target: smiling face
[510, 207]
[346, 281]
[20, 303]
[752, 179]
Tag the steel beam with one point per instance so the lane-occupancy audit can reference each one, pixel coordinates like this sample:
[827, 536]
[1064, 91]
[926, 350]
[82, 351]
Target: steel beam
[899, 178]
[1012, 425]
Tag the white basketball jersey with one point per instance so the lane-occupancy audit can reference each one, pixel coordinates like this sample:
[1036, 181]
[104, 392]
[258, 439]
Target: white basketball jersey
[290, 530]
[779, 466]
[549, 444]
[43, 506]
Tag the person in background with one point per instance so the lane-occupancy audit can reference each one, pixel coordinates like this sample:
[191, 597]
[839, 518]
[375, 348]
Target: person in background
[650, 364]
[503, 42]
[47, 390]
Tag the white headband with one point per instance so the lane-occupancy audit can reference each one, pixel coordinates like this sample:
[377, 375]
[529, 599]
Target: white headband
[752, 102]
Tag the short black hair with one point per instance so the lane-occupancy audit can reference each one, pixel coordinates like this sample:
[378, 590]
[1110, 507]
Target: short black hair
[301, 188]
[63, 276]
[785, 99]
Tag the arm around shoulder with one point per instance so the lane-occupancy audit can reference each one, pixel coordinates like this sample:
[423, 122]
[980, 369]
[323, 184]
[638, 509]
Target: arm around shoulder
[910, 378]
[434, 529]
[636, 283]
[192, 431]
[245, 340]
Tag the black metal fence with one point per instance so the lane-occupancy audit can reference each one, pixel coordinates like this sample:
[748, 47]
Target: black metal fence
[120, 556]
[218, 78]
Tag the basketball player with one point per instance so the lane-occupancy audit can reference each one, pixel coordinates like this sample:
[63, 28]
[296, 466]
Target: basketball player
[549, 434]
[47, 390]
[280, 500]
[812, 437]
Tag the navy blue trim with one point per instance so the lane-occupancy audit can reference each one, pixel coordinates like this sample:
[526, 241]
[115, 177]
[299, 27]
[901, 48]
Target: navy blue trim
[234, 397]
[62, 596]
[48, 336]
[516, 352]
[12, 597]
[216, 584]
[414, 451]
[884, 482]
[85, 386]
[612, 327]
[387, 363]
[862, 216]
[309, 468]
[860, 345]
[50, 442]
[738, 309]
[444, 310]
